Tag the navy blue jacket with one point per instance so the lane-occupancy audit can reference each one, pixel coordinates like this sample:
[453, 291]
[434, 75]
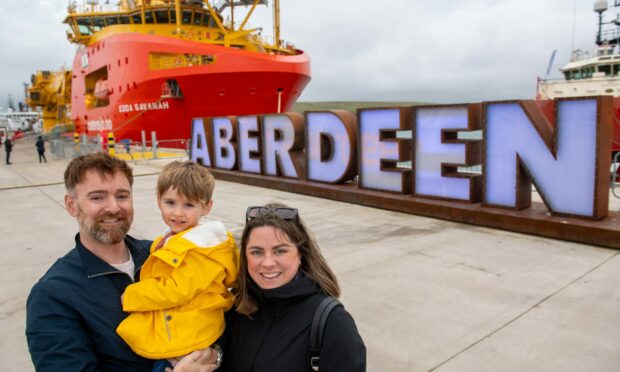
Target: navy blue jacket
[73, 311]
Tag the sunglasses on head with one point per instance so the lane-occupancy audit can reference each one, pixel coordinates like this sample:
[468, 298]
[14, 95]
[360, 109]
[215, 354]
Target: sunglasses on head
[289, 214]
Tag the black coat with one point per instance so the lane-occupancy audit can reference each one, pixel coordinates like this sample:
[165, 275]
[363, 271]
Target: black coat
[276, 337]
[40, 145]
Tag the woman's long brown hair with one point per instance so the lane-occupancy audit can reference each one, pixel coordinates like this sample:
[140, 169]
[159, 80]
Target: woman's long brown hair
[313, 264]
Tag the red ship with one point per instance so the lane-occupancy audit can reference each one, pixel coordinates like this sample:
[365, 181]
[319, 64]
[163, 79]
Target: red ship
[154, 65]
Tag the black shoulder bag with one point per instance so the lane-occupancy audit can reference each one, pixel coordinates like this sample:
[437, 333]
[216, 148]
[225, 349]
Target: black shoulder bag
[318, 326]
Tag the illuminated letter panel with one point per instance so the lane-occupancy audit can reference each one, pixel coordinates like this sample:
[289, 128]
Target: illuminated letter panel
[439, 152]
[521, 147]
[199, 153]
[331, 146]
[283, 143]
[380, 150]
[224, 142]
[249, 144]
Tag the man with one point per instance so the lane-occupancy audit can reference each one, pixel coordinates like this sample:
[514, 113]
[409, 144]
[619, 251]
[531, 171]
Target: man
[8, 147]
[40, 145]
[73, 311]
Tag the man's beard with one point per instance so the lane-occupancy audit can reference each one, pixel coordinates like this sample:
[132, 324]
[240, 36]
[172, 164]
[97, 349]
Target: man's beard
[102, 234]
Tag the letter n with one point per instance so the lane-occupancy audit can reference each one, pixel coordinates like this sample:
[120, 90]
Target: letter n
[568, 164]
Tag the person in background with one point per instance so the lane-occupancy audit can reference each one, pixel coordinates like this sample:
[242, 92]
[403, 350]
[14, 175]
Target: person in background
[184, 283]
[283, 279]
[72, 312]
[8, 147]
[40, 144]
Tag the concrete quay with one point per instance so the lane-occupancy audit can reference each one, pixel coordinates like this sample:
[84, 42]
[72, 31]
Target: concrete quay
[426, 294]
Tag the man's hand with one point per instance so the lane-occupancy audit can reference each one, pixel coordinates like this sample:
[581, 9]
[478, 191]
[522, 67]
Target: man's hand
[198, 361]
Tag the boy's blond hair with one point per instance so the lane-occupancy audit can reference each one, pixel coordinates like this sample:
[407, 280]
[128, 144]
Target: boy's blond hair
[192, 181]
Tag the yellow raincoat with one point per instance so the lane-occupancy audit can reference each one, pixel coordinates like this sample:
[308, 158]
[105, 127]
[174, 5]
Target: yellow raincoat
[179, 303]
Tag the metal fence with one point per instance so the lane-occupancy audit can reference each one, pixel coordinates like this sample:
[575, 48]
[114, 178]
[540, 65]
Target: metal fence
[63, 148]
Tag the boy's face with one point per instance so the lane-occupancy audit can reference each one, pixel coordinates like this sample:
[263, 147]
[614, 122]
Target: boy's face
[179, 213]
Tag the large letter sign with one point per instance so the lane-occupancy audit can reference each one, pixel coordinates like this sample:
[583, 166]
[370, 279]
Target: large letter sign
[200, 148]
[331, 146]
[521, 147]
[439, 152]
[224, 146]
[472, 163]
[249, 144]
[282, 142]
[381, 151]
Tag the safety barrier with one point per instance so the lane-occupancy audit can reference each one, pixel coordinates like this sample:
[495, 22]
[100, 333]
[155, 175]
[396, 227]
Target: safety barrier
[67, 147]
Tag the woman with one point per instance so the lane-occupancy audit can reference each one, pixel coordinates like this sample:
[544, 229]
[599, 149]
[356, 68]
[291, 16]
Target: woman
[283, 278]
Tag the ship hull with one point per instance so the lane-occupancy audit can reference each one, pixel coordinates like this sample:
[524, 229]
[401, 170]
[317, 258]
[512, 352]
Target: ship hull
[237, 82]
[547, 90]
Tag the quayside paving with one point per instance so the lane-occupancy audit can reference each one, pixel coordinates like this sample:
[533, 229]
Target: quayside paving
[426, 294]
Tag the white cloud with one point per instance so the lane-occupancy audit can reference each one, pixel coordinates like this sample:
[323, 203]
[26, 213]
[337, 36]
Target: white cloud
[424, 50]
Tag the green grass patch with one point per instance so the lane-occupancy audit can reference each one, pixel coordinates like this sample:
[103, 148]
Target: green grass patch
[351, 106]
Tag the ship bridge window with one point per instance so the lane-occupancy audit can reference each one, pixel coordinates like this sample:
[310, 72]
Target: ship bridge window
[575, 74]
[111, 20]
[136, 18]
[187, 17]
[84, 26]
[605, 68]
[161, 16]
[98, 23]
[198, 18]
[148, 17]
[616, 69]
[124, 19]
[208, 21]
[567, 75]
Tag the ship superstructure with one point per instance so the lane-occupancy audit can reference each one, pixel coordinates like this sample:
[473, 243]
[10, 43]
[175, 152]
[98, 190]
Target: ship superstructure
[591, 73]
[154, 65]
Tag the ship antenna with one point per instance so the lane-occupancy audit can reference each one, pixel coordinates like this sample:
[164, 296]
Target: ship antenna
[574, 26]
[600, 6]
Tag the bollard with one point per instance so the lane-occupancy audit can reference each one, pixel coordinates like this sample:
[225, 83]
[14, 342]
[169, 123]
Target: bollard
[76, 144]
[154, 147]
[111, 150]
[143, 144]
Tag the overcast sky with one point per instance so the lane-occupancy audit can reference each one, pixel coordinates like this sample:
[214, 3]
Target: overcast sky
[398, 50]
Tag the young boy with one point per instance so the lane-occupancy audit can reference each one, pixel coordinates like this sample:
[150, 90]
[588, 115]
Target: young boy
[179, 303]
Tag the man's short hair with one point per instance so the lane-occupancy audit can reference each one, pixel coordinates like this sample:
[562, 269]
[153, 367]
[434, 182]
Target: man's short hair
[100, 162]
[192, 181]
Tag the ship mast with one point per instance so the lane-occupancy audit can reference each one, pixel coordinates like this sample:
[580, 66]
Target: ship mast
[276, 23]
[606, 37]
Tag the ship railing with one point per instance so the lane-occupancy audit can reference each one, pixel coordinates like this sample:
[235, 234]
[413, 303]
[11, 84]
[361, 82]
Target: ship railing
[100, 8]
[148, 150]
[63, 148]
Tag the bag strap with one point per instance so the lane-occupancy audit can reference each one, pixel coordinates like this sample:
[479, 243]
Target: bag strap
[318, 327]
